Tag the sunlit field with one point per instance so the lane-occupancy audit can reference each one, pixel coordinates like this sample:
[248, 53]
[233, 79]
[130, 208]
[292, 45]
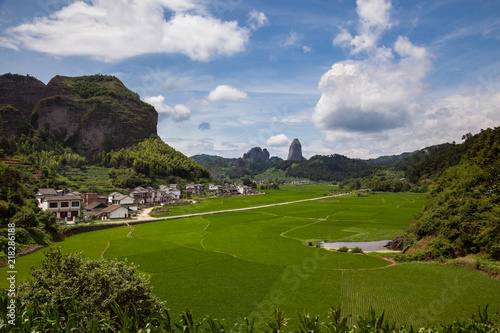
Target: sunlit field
[242, 264]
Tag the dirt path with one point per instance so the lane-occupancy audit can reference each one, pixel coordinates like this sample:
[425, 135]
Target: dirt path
[145, 214]
[102, 254]
[129, 235]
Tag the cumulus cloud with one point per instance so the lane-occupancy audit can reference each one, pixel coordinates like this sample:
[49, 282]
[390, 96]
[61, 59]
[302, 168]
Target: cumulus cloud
[257, 20]
[204, 126]
[374, 19]
[178, 113]
[280, 140]
[120, 29]
[445, 119]
[380, 92]
[224, 92]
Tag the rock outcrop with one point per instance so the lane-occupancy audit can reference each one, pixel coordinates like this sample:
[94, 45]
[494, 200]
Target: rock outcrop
[395, 244]
[256, 155]
[295, 151]
[90, 113]
[18, 96]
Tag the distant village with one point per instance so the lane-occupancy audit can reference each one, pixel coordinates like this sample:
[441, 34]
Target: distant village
[69, 206]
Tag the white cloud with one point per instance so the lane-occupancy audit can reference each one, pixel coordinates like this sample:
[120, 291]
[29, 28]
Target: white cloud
[445, 119]
[257, 20]
[178, 113]
[111, 31]
[292, 39]
[379, 92]
[306, 49]
[374, 19]
[224, 92]
[280, 140]
[247, 122]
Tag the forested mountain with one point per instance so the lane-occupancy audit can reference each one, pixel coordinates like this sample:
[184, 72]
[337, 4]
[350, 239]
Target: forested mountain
[462, 215]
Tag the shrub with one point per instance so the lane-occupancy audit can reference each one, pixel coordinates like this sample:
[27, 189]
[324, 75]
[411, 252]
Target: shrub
[357, 249]
[343, 249]
[96, 285]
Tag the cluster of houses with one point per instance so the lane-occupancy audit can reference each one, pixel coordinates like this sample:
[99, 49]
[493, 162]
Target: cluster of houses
[68, 205]
[299, 182]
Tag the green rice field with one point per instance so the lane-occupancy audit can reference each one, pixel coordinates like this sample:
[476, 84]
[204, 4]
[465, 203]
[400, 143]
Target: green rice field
[244, 264]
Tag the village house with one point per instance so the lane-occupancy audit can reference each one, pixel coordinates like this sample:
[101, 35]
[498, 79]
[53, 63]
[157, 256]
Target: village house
[112, 196]
[114, 212]
[231, 189]
[194, 188]
[170, 192]
[215, 189]
[143, 195]
[65, 204]
[94, 209]
[89, 198]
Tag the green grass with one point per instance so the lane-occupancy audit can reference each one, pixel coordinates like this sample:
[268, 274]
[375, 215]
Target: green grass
[236, 202]
[246, 263]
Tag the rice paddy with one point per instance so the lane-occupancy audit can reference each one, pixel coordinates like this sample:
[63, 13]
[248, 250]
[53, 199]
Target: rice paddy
[246, 263]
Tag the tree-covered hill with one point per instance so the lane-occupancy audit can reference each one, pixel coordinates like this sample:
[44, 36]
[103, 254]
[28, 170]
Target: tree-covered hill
[330, 168]
[462, 215]
[153, 158]
[431, 162]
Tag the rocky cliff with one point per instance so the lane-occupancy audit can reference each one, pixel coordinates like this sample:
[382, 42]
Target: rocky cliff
[295, 151]
[18, 96]
[256, 155]
[91, 113]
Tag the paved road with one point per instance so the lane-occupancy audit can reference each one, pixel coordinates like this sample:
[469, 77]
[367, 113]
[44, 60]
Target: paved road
[143, 218]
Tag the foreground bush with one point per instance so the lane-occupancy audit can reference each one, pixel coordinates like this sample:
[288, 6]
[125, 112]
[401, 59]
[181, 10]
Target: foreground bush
[96, 286]
[35, 318]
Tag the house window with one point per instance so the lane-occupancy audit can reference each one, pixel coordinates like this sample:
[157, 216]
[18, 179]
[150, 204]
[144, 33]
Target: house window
[64, 204]
[75, 204]
[53, 205]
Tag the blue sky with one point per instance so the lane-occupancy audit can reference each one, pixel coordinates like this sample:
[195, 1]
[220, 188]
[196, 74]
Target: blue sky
[360, 78]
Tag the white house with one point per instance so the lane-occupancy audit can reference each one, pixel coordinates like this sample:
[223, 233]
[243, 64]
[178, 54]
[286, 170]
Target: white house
[114, 212]
[215, 189]
[65, 206]
[112, 196]
[123, 200]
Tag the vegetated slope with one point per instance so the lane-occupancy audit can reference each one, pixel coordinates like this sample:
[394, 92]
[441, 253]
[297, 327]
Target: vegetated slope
[203, 158]
[463, 213]
[387, 161]
[153, 158]
[330, 168]
[431, 162]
